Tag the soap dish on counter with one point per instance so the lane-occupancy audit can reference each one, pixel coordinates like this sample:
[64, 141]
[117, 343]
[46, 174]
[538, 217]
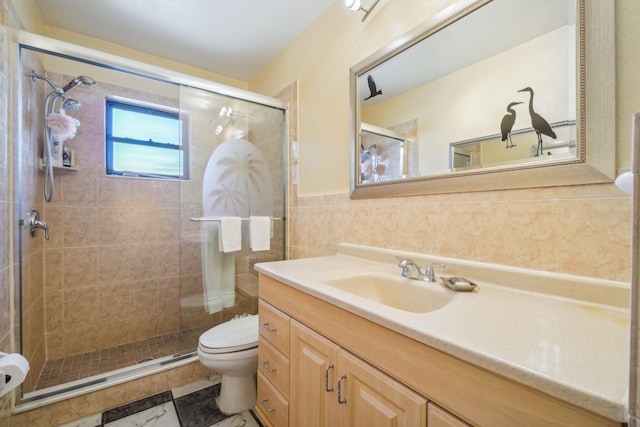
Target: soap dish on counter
[458, 284]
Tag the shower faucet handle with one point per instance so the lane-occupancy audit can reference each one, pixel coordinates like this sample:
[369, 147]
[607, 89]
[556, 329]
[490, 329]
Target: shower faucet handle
[35, 223]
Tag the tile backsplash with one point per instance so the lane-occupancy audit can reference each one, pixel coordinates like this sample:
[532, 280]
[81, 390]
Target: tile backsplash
[581, 230]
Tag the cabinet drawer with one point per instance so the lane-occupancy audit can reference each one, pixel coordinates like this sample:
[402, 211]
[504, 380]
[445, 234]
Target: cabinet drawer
[274, 366]
[272, 404]
[274, 327]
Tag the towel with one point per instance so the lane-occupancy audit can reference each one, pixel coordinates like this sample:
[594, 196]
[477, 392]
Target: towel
[260, 233]
[218, 271]
[230, 236]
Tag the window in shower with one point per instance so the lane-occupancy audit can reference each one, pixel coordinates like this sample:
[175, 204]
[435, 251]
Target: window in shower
[144, 141]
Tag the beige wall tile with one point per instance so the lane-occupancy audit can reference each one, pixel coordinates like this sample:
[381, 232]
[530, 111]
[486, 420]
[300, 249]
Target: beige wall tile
[53, 269]
[112, 264]
[128, 392]
[597, 238]
[525, 233]
[57, 413]
[79, 226]
[182, 375]
[80, 307]
[115, 331]
[54, 307]
[80, 266]
[80, 189]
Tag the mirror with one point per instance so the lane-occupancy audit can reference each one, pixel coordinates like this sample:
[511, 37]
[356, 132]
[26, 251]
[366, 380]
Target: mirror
[490, 94]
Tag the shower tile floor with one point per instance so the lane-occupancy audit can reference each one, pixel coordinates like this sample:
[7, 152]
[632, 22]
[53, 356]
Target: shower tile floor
[192, 405]
[79, 366]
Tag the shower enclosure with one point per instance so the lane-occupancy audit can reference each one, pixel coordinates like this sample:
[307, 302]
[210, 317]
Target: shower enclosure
[118, 286]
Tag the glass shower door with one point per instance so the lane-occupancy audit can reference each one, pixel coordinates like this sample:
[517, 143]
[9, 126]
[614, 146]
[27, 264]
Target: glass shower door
[237, 169]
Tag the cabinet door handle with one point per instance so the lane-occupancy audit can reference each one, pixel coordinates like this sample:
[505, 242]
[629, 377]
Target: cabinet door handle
[340, 399]
[326, 378]
[265, 406]
[267, 367]
[266, 326]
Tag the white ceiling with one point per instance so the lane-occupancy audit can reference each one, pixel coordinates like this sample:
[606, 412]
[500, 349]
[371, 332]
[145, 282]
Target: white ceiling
[234, 38]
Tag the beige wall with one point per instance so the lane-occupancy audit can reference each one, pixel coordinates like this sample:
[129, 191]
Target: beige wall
[32, 21]
[581, 230]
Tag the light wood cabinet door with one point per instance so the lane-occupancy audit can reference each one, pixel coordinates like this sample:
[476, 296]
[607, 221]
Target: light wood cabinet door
[312, 362]
[370, 398]
[439, 417]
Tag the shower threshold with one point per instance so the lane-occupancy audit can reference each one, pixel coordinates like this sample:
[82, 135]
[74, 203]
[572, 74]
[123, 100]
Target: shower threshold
[76, 375]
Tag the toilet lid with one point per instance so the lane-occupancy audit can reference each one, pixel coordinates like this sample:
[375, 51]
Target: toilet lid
[234, 335]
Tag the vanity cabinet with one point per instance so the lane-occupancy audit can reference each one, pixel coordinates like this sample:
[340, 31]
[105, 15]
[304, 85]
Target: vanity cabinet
[273, 365]
[385, 374]
[313, 385]
[331, 387]
[438, 417]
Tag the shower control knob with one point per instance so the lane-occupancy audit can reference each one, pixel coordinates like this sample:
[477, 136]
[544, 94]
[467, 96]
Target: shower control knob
[35, 223]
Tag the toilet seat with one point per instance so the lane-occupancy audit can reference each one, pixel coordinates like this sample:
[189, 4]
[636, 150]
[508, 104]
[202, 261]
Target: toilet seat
[235, 335]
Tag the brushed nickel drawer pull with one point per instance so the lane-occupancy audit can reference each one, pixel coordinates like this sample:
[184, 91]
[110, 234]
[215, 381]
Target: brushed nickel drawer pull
[265, 406]
[326, 378]
[266, 326]
[267, 367]
[340, 399]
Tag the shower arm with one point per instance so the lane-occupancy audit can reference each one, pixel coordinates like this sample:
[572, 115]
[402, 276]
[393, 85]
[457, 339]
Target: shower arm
[56, 89]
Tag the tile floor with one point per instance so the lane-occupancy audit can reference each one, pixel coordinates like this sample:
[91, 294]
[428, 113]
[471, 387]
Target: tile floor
[192, 405]
[72, 368]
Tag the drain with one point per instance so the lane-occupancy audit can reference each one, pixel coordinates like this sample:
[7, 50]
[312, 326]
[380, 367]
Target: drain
[148, 359]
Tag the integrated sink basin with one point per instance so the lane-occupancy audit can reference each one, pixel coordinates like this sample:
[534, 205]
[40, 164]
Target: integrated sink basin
[396, 291]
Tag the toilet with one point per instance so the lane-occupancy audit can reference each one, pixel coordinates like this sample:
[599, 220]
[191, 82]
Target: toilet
[231, 350]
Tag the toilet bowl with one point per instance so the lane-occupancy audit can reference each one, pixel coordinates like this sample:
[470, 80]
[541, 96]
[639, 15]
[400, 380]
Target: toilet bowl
[231, 350]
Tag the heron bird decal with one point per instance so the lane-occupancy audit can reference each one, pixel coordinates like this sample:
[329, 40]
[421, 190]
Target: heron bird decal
[540, 125]
[372, 88]
[507, 124]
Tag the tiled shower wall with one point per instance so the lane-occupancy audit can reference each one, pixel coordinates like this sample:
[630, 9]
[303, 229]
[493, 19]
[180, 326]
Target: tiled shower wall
[112, 261]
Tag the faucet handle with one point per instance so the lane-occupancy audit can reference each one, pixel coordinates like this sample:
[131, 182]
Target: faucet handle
[404, 262]
[431, 276]
[35, 223]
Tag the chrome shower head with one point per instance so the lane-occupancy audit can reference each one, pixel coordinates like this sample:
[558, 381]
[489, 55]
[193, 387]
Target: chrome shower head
[70, 104]
[85, 80]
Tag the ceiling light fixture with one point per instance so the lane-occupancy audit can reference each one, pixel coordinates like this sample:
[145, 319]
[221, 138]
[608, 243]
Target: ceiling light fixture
[356, 5]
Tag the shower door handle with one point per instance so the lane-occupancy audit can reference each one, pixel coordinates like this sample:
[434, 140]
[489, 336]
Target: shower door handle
[35, 223]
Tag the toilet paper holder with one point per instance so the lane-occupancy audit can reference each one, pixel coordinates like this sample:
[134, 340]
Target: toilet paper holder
[4, 377]
[6, 383]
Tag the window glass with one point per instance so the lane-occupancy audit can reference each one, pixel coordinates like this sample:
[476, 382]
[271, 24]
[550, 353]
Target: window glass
[144, 141]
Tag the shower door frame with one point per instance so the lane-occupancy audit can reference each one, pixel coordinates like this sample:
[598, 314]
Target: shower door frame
[33, 42]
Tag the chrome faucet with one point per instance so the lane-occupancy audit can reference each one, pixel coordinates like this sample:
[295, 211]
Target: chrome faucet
[431, 276]
[35, 223]
[411, 270]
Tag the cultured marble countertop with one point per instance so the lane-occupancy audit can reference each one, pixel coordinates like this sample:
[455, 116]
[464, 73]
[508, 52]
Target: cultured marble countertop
[519, 323]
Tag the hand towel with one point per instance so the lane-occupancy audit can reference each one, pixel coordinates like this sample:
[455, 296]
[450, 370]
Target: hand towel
[230, 236]
[260, 233]
[218, 271]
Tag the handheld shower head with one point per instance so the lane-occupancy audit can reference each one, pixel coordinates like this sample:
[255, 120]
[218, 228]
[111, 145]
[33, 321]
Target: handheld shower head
[85, 80]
